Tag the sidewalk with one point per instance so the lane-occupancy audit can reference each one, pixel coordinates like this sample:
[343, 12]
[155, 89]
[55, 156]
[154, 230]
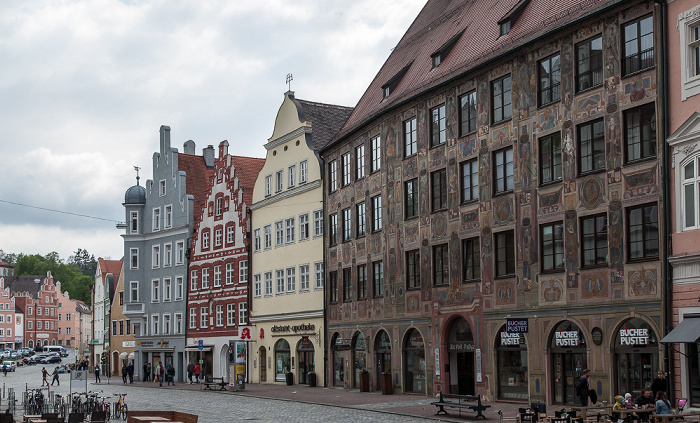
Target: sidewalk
[414, 405]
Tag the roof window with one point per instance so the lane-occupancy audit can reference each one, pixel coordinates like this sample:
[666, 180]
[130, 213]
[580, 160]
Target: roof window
[440, 55]
[510, 18]
[389, 87]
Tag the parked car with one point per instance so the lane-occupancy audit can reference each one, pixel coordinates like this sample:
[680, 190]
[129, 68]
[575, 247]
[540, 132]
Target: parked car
[11, 366]
[63, 369]
[50, 359]
[14, 355]
[26, 352]
[35, 358]
[5, 354]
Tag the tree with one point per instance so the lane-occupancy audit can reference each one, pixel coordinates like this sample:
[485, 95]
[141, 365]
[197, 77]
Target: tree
[72, 277]
[85, 261]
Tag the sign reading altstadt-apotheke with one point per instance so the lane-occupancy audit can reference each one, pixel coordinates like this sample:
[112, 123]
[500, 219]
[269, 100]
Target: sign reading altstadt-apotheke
[289, 328]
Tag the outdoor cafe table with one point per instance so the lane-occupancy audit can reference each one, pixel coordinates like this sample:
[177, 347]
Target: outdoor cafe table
[665, 418]
[150, 419]
[596, 409]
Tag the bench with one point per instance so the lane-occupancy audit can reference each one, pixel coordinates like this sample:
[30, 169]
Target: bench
[209, 381]
[470, 402]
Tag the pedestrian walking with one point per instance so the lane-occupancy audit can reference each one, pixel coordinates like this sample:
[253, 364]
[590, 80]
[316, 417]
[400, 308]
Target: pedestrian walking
[130, 372]
[147, 371]
[4, 369]
[161, 373]
[190, 371]
[55, 377]
[44, 376]
[124, 373]
[171, 374]
[197, 371]
[97, 373]
[583, 389]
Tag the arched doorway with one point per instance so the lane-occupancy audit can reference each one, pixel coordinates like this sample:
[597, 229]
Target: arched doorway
[46, 342]
[460, 348]
[567, 348]
[53, 342]
[414, 362]
[337, 360]
[382, 353]
[30, 344]
[116, 363]
[636, 356]
[305, 357]
[512, 366]
[223, 362]
[359, 357]
[263, 364]
[282, 360]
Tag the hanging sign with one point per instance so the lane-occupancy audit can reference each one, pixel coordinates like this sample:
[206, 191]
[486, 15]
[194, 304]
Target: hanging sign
[516, 325]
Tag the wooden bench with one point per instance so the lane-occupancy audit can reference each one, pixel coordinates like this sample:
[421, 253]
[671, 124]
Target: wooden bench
[209, 381]
[470, 402]
[170, 416]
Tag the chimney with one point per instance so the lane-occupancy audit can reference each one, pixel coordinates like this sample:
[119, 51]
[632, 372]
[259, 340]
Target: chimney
[208, 154]
[189, 147]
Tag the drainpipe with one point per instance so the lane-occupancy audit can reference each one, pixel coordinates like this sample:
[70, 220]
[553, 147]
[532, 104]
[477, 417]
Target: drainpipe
[325, 262]
[249, 250]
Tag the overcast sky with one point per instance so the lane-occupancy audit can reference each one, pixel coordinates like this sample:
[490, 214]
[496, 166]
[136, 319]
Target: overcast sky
[86, 85]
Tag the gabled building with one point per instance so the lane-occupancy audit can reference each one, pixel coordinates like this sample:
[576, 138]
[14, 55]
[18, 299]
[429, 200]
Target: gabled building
[122, 343]
[67, 316]
[35, 297]
[106, 275]
[287, 244]
[160, 220]
[507, 231]
[217, 300]
[7, 317]
[83, 329]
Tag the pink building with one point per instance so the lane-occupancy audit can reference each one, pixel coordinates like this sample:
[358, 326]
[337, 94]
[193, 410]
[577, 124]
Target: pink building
[68, 321]
[683, 47]
[7, 317]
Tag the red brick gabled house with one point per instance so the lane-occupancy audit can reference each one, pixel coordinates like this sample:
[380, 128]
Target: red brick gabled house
[35, 296]
[217, 302]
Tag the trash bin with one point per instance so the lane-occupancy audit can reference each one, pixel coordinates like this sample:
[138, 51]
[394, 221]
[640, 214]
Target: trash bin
[364, 381]
[240, 381]
[311, 377]
[387, 387]
[290, 378]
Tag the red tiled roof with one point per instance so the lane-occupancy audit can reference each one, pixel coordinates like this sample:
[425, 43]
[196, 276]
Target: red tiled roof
[110, 266]
[198, 178]
[480, 43]
[247, 169]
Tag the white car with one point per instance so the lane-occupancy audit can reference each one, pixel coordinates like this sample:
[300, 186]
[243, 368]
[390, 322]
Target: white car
[11, 366]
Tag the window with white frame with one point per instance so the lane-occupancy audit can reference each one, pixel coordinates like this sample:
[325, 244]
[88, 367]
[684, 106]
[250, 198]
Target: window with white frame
[318, 270]
[280, 282]
[292, 179]
[229, 273]
[243, 271]
[217, 238]
[179, 287]
[178, 324]
[318, 223]
[219, 315]
[180, 252]
[156, 219]
[168, 256]
[193, 318]
[134, 292]
[303, 226]
[303, 277]
[376, 153]
[291, 279]
[219, 206]
[242, 313]
[193, 280]
[360, 161]
[203, 317]
[278, 181]
[268, 185]
[268, 283]
[205, 278]
[689, 31]
[690, 194]
[231, 314]
[161, 187]
[257, 288]
[155, 257]
[217, 276]
[289, 229]
[256, 240]
[303, 171]
[268, 236]
[167, 289]
[168, 217]
[134, 253]
[333, 176]
[155, 322]
[166, 324]
[134, 222]
[229, 233]
[205, 240]
[279, 234]
[155, 290]
[346, 169]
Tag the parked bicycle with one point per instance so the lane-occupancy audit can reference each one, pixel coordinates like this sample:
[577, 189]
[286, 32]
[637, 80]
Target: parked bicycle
[120, 408]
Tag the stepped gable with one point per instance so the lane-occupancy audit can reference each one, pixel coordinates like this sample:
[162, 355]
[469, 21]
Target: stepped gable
[326, 121]
[198, 180]
[247, 170]
[25, 284]
[437, 23]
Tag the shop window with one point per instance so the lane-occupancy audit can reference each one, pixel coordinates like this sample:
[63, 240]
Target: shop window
[460, 360]
[359, 357]
[282, 360]
[414, 362]
[636, 351]
[567, 350]
[305, 354]
[512, 366]
[382, 351]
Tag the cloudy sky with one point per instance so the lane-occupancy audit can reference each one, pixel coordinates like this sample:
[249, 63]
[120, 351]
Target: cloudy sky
[85, 86]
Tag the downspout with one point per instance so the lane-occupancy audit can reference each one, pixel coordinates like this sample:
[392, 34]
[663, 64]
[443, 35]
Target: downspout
[667, 304]
[327, 374]
[249, 250]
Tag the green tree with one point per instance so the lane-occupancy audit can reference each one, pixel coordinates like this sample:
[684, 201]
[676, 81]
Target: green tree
[72, 276]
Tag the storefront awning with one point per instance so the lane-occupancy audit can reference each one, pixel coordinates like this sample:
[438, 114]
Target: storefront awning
[195, 349]
[687, 331]
[122, 356]
[131, 356]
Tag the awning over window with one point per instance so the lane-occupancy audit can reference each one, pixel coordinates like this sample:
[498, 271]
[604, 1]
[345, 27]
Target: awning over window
[122, 356]
[687, 332]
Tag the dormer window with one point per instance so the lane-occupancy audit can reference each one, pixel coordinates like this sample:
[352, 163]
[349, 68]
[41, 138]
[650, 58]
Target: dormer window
[505, 27]
[440, 55]
[389, 87]
[387, 91]
[507, 22]
[436, 60]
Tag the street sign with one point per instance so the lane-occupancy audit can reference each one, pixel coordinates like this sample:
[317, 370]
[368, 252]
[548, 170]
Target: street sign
[200, 344]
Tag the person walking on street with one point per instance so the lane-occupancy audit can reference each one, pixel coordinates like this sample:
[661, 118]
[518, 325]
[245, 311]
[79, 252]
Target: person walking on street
[97, 373]
[171, 374]
[190, 371]
[124, 373]
[197, 371]
[161, 373]
[55, 377]
[146, 372]
[659, 384]
[583, 389]
[130, 372]
[4, 369]
[44, 376]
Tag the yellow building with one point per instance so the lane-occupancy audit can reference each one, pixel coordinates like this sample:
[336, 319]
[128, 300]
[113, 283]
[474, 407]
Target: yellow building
[121, 334]
[287, 264]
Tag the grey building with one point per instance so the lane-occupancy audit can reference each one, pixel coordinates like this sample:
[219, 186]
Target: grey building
[159, 222]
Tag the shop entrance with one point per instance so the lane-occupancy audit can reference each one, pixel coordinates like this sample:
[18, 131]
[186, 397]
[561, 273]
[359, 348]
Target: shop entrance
[382, 349]
[337, 360]
[305, 353]
[460, 347]
[359, 358]
[282, 360]
[414, 363]
[567, 348]
[636, 357]
[263, 364]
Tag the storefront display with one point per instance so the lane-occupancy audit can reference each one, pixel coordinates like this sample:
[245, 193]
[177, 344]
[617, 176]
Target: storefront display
[382, 350]
[512, 366]
[282, 360]
[414, 354]
[567, 349]
[305, 354]
[636, 356]
[460, 348]
[359, 358]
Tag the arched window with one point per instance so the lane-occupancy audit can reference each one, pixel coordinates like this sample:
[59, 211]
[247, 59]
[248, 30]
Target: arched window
[282, 360]
[359, 357]
[414, 356]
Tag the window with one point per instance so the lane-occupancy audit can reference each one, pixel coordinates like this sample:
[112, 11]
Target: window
[179, 288]
[689, 31]
[591, 136]
[121, 303]
[333, 229]
[205, 278]
[505, 253]
[134, 292]
[503, 171]
[268, 283]
[360, 162]
[289, 230]
[242, 313]
[166, 324]
[193, 318]
[256, 240]
[376, 153]
[39, 324]
[470, 181]
[156, 219]
[303, 227]
[638, 45]
[155, 258]
[278, 181]
[411, 198]
[347, 285]
[303, 171]
[180, 252]
[640, 132]
[438, 183]
[203, 317]
[231, 314]
[594, 240]
[168, 257]
[505, 27]
[471, 260]
[333, 276]
[280, 281]
[378, 278]
[155, 320]
[377, 213]
[552, 239]
[643, 232]
[217, 276]
[168, 217]
[268, 185]
[413, 269]
[690, 193]
[318, 223]
[319, 275]
[178, 324]
[205, 239]
[500, 98]
[550, 158]
[167, 289]
[410, 130]
[291, 279]
[549, 88]
[346, 169]
[437, 126]
[230, 233]
[242, 271]
[134, 258]
[589, 64]
[347, 222]
[193, 280]
[292, 176]
[268, 236]
[257, 286]
[467, 113]
[279, 234]
[219, 315]
[361, 282]
[441, 263]
[360, 219]
[217, 237]
[134, 222]
[333, 176]
[304, 276]
[161, 187]
[155, 291]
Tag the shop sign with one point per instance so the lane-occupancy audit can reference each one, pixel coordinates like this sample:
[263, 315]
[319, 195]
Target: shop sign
[128, 344]
[341, 347]
[150, 344]
[288, 328]
[460, 346]
[360, 344]
[634, 336]
[516, 325]
[479, 377]
[437, 361]
[510, 338]
[415, 341]
[564, 338]
[42, 335]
